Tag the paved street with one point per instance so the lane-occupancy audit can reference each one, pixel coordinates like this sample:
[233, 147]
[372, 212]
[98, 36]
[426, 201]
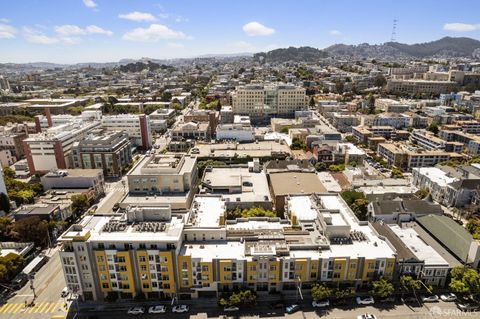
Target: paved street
[48, 284]
[436, 310]
[114, 192]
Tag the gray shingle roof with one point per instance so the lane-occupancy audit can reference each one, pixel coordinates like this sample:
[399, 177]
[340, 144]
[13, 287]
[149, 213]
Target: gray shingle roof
[453, 236]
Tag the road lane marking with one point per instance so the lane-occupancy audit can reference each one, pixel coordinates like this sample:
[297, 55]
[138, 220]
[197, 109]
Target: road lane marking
[7, 308]
[17, 307]
[2, 307]
[44, 307]
[38, 306]
[30, 310]
[51, 308]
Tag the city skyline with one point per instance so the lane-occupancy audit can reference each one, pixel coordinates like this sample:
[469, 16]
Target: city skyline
[107, 31]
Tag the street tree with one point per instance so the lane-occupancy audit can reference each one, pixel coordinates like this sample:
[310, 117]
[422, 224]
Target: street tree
[320, 291]
[382, 288]
[32, 229]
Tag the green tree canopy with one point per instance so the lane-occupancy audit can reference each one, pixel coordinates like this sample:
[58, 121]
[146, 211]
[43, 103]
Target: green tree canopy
[320, 291]
[32, 229]
[465, 280]
[382, 288]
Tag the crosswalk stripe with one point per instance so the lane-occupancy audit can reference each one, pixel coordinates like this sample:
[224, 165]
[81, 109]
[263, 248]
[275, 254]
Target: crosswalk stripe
[17, 307]
[53, 307]
[30, 310]
[7, 308]
[44, 307]
[3, 307]
[38, 306]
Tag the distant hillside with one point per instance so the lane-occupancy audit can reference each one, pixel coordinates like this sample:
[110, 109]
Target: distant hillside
[446, 47]
[301, 54]
[140, 66]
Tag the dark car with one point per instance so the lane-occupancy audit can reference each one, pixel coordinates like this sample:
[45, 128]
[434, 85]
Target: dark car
[468, 306]
[277, 305]
[292, 309]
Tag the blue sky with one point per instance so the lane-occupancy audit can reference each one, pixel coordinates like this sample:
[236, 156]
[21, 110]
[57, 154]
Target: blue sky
[70, 31]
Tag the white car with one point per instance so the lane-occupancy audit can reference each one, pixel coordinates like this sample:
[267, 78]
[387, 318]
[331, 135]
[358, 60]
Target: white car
[367, 300]
[64, 292]
[432, 298]
[367, 316]
[448, 297]
[180, 308]
[136, 311]
[157, 309]
[231, 308]
[320, 303]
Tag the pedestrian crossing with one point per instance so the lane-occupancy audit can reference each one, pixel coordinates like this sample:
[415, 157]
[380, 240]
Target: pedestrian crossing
[39, 307]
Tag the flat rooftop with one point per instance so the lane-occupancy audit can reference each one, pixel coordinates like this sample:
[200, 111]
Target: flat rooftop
[253, 186]
[295, 183]
[208, 251]
[372, 247]
[169, 231]
[418, 246]
[436, 175]
[206, 211]
[164, 164]
[302, 207]
[260, 149]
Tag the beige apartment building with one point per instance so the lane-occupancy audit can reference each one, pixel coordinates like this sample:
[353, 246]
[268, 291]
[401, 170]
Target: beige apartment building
[258, 100]
[420, 86]
[163, 174]
[405, 157]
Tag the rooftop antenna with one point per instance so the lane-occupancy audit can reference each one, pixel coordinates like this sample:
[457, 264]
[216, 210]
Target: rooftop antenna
[394, 31]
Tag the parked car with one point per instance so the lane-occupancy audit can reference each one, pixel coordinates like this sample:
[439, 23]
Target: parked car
[367, 300]
[180, 308]
[321, 303]
[64, 293]
[367, 316]
[410, 299]
[277, 305]
[157, 309]
[292, 308]
[468, 306]
[231, 308]
[448, 297]
[431, 298]
[136, 311]
[388, 299]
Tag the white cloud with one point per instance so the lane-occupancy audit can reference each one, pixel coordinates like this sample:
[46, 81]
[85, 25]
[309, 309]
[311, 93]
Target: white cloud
[254, 29]
[153, 33]
[179, 19]
[461, 27]
[4, 20]
[175, 45]
[7, 31]
[335, 33]
[70, 29]
[137, 16]
[37, 37]
[90, 3]
[93, 29]
[164, 15]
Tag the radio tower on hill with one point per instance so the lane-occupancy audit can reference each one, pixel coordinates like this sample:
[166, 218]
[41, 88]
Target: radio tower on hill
[393, 38]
